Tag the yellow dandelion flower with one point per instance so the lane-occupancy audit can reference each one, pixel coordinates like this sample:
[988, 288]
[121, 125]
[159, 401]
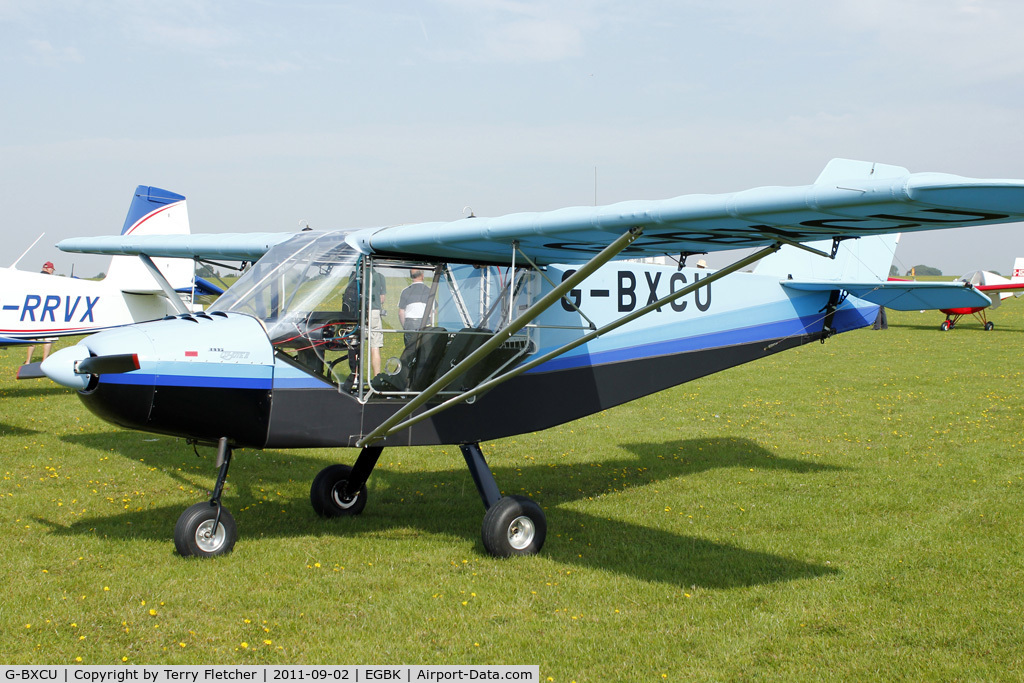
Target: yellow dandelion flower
[268, 642]
[152, 612]
[124, 659]
[244, 645]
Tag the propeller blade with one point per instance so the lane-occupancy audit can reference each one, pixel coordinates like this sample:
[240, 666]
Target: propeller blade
[31, 371]
[107, 365]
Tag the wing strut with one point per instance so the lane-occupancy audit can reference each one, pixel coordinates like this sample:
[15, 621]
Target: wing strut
[566, 299]
[607, 254]
[175, 300]
[386, 430]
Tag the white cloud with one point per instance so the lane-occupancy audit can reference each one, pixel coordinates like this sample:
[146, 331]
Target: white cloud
[44, 53]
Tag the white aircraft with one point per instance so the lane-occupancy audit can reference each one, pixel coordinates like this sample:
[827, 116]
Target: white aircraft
[995, 286]
[37, 307]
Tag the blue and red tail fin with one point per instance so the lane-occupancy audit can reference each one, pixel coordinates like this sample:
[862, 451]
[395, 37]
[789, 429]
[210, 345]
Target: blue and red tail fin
[150, 202]
[153, 211]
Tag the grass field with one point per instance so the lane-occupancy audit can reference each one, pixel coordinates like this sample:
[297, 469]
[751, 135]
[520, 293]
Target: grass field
[849, 511]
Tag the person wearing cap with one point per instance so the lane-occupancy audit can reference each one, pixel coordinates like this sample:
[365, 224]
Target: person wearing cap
[47, 270]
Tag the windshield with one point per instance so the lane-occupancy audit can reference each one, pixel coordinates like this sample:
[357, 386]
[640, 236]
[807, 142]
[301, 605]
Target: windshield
[296, 281]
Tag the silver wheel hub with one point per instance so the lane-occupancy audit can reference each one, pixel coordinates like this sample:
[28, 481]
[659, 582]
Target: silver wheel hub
[208, 540]
[521, 532]
[339, 498]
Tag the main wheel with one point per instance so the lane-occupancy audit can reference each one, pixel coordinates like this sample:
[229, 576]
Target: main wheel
[515, 525]
[945, 325]
[989, 326]
[195, 535]
[328, 495]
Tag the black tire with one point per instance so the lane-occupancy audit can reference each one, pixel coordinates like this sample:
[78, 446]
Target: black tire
[515, 525]
[989, 326]
[326, 493]
[192, 533]
[945, 325]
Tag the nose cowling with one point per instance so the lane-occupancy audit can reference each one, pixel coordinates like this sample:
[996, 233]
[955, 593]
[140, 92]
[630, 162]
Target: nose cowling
[79, 366]
[199, 376]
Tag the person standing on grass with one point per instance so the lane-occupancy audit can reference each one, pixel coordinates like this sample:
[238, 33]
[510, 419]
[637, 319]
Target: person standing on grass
[47, 270]
[412, 305]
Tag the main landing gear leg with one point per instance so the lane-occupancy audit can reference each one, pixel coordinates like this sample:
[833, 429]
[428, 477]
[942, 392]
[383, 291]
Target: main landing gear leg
[513, 525]
[207, 529]
[340, 490]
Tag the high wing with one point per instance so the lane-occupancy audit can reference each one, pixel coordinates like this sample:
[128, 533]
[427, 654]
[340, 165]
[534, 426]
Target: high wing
[849, 199]
[228, 246]
[905, 295]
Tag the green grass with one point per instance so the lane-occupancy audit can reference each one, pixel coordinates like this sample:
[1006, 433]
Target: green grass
[840, 512]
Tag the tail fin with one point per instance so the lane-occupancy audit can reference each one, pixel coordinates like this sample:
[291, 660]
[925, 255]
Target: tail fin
[152, 212]
[860, 260]
[1018, 270]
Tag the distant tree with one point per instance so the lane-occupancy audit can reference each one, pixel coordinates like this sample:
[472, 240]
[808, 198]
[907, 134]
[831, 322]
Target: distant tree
[894, 271]
[203, 270]
[924, 270]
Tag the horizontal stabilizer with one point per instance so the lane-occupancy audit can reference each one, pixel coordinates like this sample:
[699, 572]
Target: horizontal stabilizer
[903, 296]
[14, 341]
[207, 288]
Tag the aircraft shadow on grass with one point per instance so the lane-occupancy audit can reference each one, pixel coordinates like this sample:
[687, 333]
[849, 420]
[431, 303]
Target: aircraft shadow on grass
[46, 388]
[13, 430]
[427, 501]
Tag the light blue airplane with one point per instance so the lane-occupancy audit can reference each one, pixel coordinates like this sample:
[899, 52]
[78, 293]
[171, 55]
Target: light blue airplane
[521, 322]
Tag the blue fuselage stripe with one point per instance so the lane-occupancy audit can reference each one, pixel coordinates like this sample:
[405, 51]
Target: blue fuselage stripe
[191, 374]
[845, 319]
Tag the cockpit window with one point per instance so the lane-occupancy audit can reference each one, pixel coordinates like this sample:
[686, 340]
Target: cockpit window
[377, 326]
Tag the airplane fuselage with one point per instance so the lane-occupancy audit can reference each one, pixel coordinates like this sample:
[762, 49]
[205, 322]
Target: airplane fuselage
[37, 306]
[209, 376]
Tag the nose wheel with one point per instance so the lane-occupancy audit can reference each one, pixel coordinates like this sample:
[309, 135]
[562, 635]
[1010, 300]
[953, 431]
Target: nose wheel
[207, 529]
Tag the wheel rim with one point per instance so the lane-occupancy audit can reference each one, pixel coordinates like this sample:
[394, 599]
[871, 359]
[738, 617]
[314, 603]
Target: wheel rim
[521, 532]
[337, 495]
[208, 540]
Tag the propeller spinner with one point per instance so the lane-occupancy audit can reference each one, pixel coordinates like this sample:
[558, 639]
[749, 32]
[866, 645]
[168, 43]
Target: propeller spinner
[74, 365]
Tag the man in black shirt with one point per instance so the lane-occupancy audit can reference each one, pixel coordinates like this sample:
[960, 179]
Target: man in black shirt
[412, 305]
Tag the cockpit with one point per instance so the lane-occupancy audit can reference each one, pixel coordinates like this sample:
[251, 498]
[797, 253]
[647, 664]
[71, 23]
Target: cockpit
[379, 327]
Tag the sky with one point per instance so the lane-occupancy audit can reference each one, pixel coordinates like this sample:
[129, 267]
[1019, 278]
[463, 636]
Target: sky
[273, 115]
